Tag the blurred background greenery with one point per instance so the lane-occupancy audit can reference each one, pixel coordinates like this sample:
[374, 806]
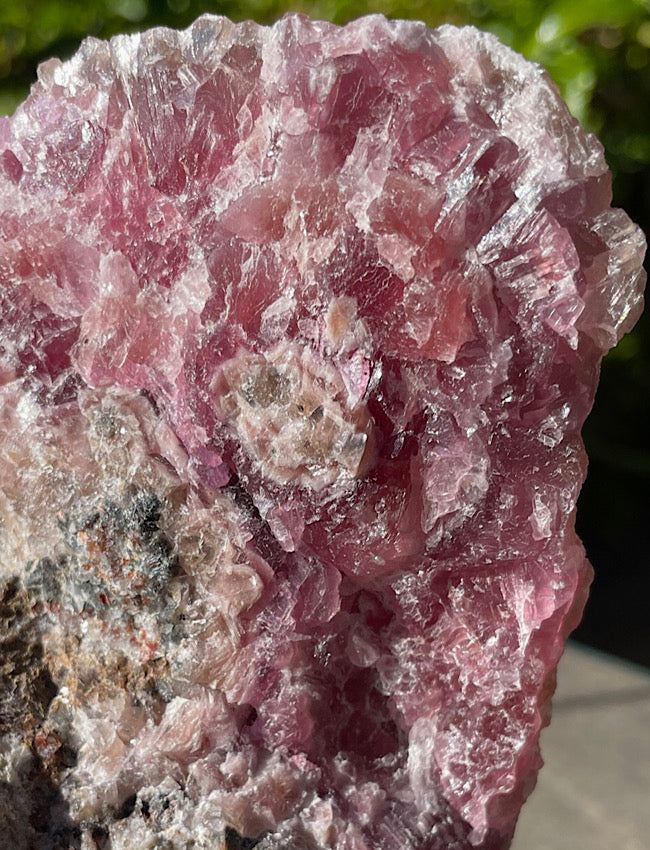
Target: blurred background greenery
[598, 52]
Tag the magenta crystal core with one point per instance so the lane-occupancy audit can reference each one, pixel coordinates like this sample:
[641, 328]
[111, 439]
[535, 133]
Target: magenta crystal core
[298, 329]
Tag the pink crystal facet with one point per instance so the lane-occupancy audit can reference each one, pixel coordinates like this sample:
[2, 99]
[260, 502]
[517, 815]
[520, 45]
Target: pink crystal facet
[299, 326]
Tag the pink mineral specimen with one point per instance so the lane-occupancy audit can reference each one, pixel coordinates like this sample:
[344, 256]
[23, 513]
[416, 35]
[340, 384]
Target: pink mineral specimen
[299, 326]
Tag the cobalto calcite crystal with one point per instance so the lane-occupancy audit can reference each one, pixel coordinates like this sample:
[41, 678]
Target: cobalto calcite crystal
[298, 329]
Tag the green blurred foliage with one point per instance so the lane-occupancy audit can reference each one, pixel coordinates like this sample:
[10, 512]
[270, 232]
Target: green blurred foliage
[597, 51]
[581, 42]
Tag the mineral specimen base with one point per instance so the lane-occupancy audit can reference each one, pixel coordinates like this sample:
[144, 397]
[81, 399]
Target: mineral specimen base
[298, 329]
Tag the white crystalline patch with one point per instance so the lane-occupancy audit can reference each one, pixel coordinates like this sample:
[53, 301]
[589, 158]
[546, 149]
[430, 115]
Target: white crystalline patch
[290, 413]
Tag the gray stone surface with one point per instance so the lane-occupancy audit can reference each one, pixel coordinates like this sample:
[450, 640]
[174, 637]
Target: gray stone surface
[594, 791]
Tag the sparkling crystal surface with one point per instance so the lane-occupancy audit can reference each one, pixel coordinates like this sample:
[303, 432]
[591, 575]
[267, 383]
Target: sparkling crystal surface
[298, 329]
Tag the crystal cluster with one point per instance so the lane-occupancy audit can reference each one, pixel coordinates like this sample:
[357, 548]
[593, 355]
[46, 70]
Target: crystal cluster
[298, 329]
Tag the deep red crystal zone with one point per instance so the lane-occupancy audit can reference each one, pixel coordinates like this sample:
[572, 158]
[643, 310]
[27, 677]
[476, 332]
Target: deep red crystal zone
[348, 290]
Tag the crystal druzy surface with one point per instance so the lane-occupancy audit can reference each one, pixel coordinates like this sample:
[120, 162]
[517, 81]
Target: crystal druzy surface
[298, 326]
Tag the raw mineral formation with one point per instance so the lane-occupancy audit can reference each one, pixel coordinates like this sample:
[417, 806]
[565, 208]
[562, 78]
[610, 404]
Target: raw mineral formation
[298, 328]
